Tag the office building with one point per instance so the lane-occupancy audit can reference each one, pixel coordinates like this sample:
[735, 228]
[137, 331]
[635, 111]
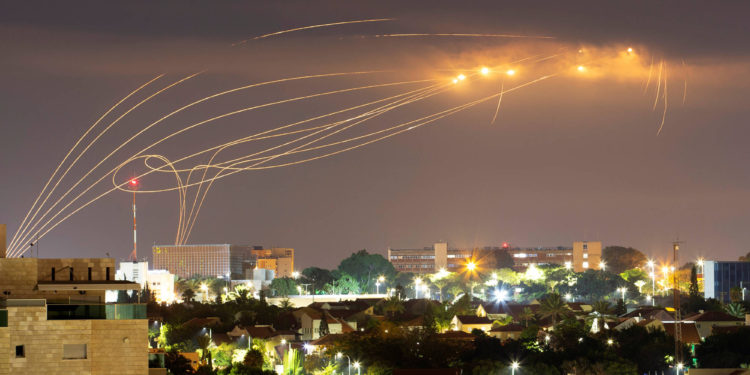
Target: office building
[187, 261]
[222, 260]
[721, 278]
[161, 285]
[582, 256]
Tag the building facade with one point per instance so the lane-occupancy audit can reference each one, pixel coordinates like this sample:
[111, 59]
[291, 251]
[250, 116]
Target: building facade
[719, 278]
[186, 261]
[582, 256]
[222, 260]
[39, 340]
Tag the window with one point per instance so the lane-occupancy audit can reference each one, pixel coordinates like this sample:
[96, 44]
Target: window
[585, 246]
[20, 352]
[585, 264]
[74, 351]
[53, 274]
[107, 276]
[89, 273]
[71, 273]
[585, 256]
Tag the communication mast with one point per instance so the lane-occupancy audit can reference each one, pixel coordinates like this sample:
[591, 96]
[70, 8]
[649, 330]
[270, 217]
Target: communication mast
[133, 184]
[677, 315]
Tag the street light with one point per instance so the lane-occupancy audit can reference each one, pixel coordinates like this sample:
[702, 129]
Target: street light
[417, 281]
[356, 365]
[349, 360]
[380, 280]
[204, 288]
[295, 274]
[602, 265]
[568, 265]
[679, 368]
[622, 290]
[513, 367]
[653, 279]
[471, 266]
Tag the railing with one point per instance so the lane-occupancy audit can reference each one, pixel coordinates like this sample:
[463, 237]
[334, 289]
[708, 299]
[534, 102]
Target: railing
[96, 311]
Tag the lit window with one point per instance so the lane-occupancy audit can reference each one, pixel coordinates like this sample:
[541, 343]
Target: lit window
[585, 264]
[585, 256]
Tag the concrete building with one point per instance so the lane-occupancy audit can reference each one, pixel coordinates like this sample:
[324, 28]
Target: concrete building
[53, 319]
[582, 256]
[720, 277]
[222, 260]
[186, 261]
[587, 255]
[161, 285]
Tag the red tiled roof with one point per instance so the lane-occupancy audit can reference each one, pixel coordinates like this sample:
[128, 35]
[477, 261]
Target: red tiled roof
[689, 332]
[512, 327]
[713, 316]
[329, 339]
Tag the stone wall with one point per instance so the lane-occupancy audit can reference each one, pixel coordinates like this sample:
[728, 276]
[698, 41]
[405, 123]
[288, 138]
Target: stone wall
[113, 346]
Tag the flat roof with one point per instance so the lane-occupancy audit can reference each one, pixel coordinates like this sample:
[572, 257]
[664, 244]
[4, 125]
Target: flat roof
[88, 285]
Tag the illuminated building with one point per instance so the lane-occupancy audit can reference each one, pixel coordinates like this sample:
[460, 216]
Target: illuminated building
[161, 285]
[582, 256]
[720, 277]
[222, 260]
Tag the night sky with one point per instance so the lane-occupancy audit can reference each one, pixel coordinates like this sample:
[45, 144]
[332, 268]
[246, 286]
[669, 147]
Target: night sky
[574, 157]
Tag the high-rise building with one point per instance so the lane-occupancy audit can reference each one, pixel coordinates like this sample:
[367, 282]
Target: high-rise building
[223, 260]
[721, 278]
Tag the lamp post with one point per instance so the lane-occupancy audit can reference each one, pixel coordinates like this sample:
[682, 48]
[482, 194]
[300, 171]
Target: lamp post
[349, 360]
[417, 281]
[622, 290]
[356, 365]
[377, 284]
[653, 281]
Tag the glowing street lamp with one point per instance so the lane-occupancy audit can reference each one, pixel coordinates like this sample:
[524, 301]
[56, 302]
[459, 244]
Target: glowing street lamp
[622, 290]
[204, 288]
[417, 281]
[295, 275]
[485, 70]
[513, 367]
[471, 266]
[602, 265]
[356, 365]
[339, 355]
[653, 277]
[568, 265]
[377, 284]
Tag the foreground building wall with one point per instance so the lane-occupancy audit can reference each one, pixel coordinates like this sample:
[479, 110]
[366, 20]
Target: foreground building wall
[19, 277]
[111, 346]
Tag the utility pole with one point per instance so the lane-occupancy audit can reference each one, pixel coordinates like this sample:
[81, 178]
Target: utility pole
[677, 315]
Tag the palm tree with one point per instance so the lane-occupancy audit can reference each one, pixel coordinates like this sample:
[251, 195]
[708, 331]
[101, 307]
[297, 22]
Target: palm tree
[203, 343]
[526, 315]
[440, 284]
[553, 307]
[393, 306]
[188, 295]
[735, 309]
[293, 363]
[600, 311]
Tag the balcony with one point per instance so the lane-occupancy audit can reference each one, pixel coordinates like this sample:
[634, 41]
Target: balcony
[115, 311]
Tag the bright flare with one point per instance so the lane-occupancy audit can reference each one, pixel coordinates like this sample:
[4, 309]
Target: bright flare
[510, 72]
[471, 266]
[581, 68]
[485, 70]
[461, 77]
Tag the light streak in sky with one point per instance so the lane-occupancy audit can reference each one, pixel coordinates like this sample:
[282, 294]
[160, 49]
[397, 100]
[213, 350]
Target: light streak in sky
[300, 141]
[314, 27]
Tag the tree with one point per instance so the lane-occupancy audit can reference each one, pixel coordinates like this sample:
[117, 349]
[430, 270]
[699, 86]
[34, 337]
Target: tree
[620, 308]
[600, 311]
[366, 267]
[188, 295]
[393, 306]
[203, 342]
[323, 328]
[729, 350]
[317, 277]
[284, 286]
[735, 294]
[693, 282]
[293, 363]
[745, 258]
[526, 315]
[177, 364]
[553, 307]
[735, 309]
[253, 359]
[503, 259]
[619, 258]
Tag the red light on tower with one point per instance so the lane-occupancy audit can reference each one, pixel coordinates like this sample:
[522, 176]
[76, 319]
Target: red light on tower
[505, 245]
[134, 182]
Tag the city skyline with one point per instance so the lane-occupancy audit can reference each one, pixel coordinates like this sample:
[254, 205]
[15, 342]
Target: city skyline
[566, 160]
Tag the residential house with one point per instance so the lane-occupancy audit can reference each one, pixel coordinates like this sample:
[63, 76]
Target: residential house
[510, 331]
[467, 323]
